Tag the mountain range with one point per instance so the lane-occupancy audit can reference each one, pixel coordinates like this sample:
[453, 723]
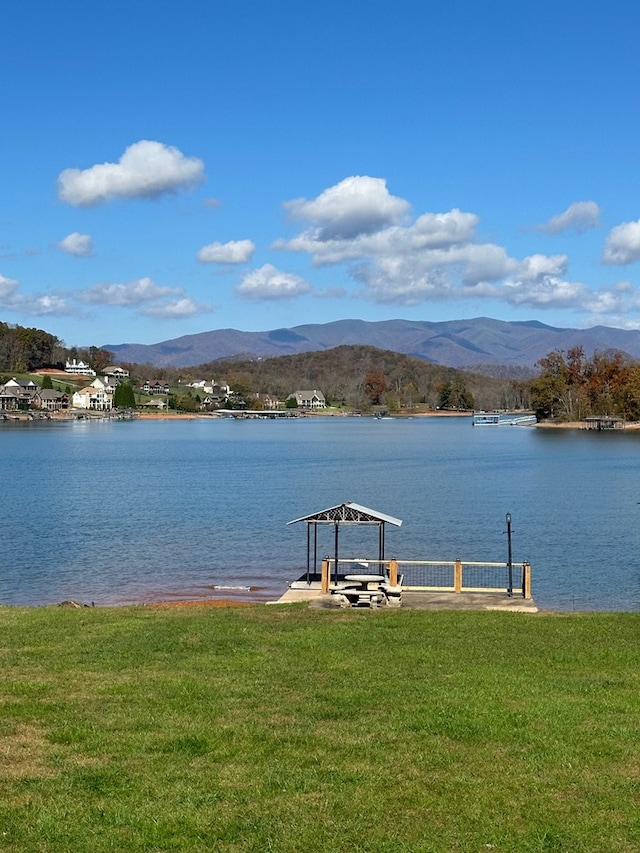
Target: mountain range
[456, 343]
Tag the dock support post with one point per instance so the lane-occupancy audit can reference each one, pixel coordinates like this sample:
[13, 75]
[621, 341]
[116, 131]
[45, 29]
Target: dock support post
[325, 575]
[457, 576]
[393, 572]
[526, 580]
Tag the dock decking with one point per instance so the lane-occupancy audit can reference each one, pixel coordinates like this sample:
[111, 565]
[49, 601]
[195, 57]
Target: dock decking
[313, 594]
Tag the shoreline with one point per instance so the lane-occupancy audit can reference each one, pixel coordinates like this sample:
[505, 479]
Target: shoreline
[421, 601]
[631, 425]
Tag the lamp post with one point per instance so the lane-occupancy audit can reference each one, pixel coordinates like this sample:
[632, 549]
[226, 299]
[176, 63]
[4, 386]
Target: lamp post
[509, 560]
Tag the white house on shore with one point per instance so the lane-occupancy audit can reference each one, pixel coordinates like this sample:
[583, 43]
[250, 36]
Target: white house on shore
[96, 397]
[79, 367]
[309, 399]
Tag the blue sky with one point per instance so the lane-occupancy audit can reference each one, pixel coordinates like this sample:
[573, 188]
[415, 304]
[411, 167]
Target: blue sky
[166, 168]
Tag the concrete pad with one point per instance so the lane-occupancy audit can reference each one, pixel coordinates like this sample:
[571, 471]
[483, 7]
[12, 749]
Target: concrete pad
[412, 600]
[467, 601]
[298, 594]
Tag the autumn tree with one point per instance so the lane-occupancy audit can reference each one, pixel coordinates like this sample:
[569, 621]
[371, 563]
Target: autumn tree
[575, 387]
[99, 358]
[630, 395]
[374, 386]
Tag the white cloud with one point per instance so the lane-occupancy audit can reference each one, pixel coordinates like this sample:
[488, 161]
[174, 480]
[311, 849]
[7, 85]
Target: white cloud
[435, 257]
[357, 205]
[449, 272]
[398, 281]
[481, 271]
[43, 304]
[132, 293]
[267, 283]
[623, 244]
[233, 252]
[7, 286]
[615, 306]
[538, 281]
[36, 304]
[478, 262]
[33, 304]
[147, 169]
[430, 231]
[548, 292]
[150, 299]
[535, 268]
[79, 245]
[175, 310]
[580, 216]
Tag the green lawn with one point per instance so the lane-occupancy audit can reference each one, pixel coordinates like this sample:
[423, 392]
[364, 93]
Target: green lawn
[279, 728]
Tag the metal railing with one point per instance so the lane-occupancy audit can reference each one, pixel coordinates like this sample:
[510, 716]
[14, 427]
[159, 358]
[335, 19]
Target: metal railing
[457, 576]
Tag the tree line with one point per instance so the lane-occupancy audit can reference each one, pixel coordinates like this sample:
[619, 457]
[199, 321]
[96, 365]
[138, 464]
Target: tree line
[24, 349]
[572, 387]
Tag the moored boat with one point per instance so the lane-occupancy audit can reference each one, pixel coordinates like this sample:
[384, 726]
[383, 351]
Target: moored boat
[503, 418]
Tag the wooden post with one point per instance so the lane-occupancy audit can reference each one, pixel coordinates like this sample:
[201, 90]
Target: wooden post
[325, 575]
[457, 576]
[393, 572]
[526, 580]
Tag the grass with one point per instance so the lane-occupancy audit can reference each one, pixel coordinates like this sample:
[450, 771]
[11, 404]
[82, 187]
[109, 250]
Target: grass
[279, 728]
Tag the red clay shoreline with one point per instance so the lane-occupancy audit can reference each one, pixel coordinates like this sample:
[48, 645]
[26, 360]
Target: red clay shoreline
[632, 425]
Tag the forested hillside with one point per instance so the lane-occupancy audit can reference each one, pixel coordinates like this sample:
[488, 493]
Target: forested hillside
[572, 387]
[361, 375]
[23, 349]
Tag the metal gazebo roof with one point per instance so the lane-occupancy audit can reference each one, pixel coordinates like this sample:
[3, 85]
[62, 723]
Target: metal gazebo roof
[346, 513]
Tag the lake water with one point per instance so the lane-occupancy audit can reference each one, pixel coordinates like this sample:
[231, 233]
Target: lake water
[137, 511]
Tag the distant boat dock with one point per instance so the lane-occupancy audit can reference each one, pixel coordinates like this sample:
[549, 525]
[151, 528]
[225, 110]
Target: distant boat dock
[501, 418]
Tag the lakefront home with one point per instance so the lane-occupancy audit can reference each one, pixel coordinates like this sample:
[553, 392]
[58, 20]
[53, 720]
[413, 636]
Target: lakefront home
[79, 367]
[269, 402]
[115, 374]
[309, 399]
[96, 397]
[26, 385]
[17, 394]
[9, 399]
[156, 387]
[50, 399]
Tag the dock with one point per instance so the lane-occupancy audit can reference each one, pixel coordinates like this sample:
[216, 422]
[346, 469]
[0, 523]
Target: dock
[362, 581]
[300, 591]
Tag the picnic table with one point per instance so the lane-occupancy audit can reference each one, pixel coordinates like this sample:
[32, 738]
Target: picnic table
[361, 590]
[364, 581]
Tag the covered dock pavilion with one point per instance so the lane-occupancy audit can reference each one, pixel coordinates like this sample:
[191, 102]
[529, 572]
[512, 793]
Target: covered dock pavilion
[345, 514]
